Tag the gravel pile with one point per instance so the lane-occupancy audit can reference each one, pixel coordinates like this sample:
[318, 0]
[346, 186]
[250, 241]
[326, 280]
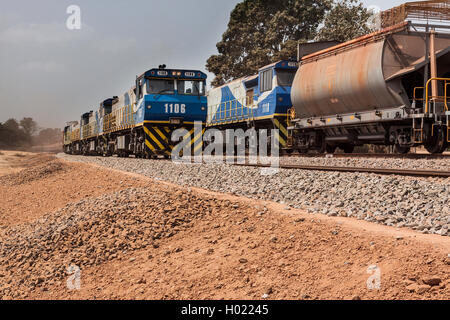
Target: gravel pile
[417, 203]
[93, 231]
[33, 173]
[389, 163]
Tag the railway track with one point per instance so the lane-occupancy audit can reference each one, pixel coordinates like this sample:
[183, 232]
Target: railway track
[371, 155]
[384, 171]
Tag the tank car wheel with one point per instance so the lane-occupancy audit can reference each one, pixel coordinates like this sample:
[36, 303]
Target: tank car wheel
[330, 149]
[347, 148]
[401, 150]
[437, 143]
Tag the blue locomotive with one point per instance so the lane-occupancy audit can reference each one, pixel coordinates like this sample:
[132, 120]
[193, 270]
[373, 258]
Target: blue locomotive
[261, 101]
[141, 121]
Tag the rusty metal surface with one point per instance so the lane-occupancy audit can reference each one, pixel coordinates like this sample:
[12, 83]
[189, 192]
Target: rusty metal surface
[363, 74]
[371, 37]
[350, 81]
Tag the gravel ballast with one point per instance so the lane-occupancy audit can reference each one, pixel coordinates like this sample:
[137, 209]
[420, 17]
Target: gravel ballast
[417, 203]
[93, 231]
[367, 162]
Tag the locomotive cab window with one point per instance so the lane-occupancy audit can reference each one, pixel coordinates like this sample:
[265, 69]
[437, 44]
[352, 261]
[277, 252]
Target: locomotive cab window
[191, 87]
[158, 86]
[285, 77]
[266, 80]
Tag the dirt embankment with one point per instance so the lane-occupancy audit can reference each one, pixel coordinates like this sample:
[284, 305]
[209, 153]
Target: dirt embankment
[135, 238]
[47, 184]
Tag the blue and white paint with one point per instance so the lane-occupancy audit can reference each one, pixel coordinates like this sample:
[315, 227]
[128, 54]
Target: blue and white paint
[262, 96]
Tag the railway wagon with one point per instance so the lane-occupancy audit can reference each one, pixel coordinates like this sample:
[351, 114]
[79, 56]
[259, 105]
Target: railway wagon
[141, 121]
[71, 138]
[391, 87]
[260, 101]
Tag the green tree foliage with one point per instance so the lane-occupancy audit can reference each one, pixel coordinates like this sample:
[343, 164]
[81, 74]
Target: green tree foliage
[264, 31]
[29, 126]
[345, 21]
[11, 135]
[14, 134]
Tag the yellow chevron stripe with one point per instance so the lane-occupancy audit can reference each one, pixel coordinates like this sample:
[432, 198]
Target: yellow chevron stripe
[146, 130]
[160, 133]
[149, 145]
[280, 126]
[282, 141]
[189, 134]
[160, 145]
[199, 146]
[198, 136]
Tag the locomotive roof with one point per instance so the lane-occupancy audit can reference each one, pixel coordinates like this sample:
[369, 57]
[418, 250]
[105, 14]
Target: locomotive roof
[282, 64]
[174, 73]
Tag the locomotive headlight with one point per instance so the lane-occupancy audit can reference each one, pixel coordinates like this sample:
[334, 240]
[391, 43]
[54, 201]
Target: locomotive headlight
[280, 99]
[149, 107]
[203, 108]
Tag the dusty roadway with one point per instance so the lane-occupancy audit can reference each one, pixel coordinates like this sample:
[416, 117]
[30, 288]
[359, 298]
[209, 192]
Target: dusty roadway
[135, 238]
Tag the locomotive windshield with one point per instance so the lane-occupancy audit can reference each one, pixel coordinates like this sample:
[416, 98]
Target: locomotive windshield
[158, 86]
[285, 77]
[191, 87]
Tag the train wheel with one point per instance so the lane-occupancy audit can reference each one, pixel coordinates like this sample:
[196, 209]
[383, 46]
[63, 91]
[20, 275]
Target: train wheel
[287, 151]
[330, 149]
[401, 150]
[348, 148]
[436, 144]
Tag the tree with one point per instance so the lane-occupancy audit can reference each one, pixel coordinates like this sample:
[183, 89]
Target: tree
[11, 124]
[29, 126]
[11, 135]
[263, 31]
[345, 21]
[47, 136]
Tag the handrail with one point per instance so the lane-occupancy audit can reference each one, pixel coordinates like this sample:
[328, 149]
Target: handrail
[426, 91]
[445, 96]
[118, 119]
[233, 110]
[90, 130]
[75, 135]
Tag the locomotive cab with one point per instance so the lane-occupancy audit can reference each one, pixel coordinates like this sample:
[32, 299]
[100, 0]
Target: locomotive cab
[171, 96]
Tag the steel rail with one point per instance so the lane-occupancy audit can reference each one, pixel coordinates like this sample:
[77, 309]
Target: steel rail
[383, 171]
[371, 155]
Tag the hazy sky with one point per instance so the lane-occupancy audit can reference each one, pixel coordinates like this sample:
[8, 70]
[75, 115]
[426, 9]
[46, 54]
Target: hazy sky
[54, 74]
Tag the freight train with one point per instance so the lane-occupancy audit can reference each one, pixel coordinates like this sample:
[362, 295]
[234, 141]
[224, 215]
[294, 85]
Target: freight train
[389, 88]
[141, 121]
[174, 99]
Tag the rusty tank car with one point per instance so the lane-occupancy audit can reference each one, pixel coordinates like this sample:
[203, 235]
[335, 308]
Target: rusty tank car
[391, 88]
